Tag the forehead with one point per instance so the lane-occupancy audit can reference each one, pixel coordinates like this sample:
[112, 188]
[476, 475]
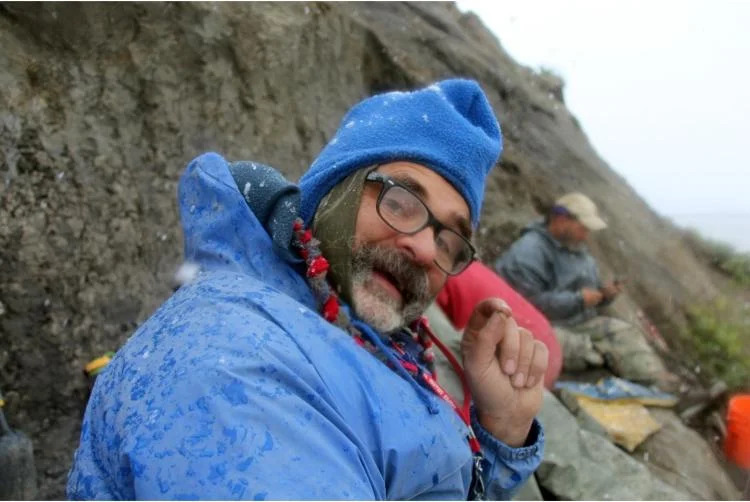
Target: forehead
[445, 202]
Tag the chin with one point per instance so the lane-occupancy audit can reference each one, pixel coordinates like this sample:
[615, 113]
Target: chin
[378, 304]
[378, 310]
[381, 311]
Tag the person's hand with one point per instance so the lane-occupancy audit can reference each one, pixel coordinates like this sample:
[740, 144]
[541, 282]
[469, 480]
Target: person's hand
[612, 289]
[591, 297]
[504, 366]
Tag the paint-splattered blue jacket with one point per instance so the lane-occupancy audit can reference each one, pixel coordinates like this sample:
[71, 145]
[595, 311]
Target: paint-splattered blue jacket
[237, 389]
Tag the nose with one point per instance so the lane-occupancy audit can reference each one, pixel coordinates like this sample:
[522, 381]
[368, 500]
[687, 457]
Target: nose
[421, 246]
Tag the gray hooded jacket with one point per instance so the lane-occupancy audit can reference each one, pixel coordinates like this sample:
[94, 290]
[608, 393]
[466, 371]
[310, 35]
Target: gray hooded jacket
[550, 275]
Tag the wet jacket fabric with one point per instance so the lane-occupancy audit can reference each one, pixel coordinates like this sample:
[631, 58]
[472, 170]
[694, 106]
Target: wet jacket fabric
[236, 388]
[550, 275]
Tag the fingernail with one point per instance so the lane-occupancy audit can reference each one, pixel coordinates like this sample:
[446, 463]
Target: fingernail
[531, 381]
[510, 367]
[518, 380]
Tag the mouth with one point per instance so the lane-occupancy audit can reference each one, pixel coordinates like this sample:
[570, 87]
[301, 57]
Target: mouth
[388, 282]
[390, 276]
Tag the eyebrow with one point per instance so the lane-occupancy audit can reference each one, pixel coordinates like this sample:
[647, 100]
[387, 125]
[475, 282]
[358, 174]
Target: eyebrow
[464, 228]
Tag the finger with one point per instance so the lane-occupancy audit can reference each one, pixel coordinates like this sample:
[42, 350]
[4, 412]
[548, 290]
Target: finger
[481, 314]
[478, 347]
[485, 329]
[525, 353]
[510, 347]
[539, 363]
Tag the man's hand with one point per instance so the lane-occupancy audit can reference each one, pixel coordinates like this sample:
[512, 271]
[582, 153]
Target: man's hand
[612, 289]
[592, 297]
[505, 368]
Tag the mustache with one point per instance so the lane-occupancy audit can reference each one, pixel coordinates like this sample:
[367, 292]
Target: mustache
[410, 279]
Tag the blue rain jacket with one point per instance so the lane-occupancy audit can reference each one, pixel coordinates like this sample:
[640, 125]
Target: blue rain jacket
[237, 389]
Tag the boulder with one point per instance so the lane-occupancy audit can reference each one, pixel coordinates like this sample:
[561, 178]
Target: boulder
[681, 457]
[17, 469]
[581, 465]
[529, 491]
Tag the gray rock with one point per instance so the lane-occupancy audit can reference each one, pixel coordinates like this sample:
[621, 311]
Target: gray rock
[581, 465]
[529, 491]
[681, 457]
[17, 469]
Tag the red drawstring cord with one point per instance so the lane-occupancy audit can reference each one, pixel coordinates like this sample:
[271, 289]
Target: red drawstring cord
[464, 410]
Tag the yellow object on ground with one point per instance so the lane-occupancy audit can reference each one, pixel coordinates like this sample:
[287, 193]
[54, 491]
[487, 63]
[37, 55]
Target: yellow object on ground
[627, 423]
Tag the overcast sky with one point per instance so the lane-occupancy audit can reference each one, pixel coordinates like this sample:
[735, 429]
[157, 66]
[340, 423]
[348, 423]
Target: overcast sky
[661, 88]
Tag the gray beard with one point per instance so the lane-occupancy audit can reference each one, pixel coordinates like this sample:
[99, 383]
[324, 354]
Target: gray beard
[375, 306]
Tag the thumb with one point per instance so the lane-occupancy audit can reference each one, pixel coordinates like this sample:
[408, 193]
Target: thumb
[483, 311]
[485, 330]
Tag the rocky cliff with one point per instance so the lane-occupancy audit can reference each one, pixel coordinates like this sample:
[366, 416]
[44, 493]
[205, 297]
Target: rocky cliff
[102, 105]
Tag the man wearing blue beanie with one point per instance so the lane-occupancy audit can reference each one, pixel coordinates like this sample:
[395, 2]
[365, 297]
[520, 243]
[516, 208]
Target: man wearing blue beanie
[295, 364]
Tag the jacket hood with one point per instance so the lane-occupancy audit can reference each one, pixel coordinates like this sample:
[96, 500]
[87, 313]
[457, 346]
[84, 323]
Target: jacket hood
[223, 234]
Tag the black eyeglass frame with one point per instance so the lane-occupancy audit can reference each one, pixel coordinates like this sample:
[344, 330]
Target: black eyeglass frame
[433, 222]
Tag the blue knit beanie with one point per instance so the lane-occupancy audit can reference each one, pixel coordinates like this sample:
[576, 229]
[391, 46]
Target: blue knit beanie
[449, 127]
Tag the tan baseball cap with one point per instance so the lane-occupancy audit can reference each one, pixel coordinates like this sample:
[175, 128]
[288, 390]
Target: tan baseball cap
[583, 209]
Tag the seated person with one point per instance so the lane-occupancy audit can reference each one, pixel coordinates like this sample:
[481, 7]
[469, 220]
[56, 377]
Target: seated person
[551, 266]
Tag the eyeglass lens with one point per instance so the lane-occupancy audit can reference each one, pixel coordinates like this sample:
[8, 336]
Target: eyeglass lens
[406, 213]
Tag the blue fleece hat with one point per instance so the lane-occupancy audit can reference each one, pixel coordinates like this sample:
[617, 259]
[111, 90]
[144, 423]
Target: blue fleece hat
[449, 127]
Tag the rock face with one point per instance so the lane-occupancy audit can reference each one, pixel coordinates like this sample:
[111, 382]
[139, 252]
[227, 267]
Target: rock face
[682, 458]
[674, 455]
[17, 470]
[583, 465]
[102, 105]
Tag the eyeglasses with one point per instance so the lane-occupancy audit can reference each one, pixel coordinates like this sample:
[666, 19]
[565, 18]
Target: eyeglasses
[405, 212]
